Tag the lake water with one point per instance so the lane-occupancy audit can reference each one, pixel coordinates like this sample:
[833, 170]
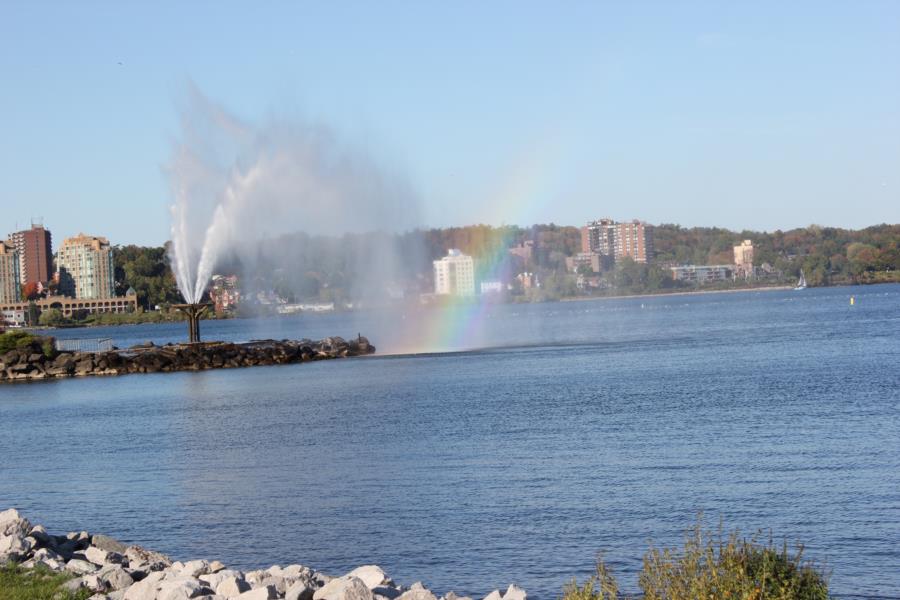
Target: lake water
[560, 431]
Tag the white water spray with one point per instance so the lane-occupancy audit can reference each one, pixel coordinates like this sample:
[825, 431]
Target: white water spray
[234, 183]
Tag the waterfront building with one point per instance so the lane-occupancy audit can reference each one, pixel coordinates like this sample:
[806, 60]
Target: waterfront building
[454, 274]
[69, 306]
[33, 247]
[701, 274]
[743, 259]
[10, 284]
[85, 266]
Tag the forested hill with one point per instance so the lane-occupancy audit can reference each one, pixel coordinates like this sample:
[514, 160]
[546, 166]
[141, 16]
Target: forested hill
[304, 266]
[826, 254]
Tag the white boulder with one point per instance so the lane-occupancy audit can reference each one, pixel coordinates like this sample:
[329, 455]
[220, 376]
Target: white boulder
[344, 588]
[371, 575]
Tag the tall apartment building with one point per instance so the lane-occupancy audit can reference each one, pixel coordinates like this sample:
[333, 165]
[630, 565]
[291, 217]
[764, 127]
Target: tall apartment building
[618, 240]
[635, 240]
[599, 237]
[35, 254]
[10, 284]
[454, 274]
[86, 268]
[743, 258]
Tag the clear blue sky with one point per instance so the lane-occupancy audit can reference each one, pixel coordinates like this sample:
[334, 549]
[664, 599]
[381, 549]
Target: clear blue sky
[762, 115]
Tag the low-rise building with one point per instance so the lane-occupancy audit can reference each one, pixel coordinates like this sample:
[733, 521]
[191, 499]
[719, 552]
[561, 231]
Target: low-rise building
[701, 274]
[13, 318]
[224, 293]
[491, 287]
[591, 260]
[525, 251]
[527, 280]
[69, 306]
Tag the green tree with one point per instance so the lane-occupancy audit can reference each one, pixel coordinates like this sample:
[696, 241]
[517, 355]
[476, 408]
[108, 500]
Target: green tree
[52, 317]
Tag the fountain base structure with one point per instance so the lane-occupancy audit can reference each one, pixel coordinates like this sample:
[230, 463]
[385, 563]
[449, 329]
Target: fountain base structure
[28, 364]
[194, 313]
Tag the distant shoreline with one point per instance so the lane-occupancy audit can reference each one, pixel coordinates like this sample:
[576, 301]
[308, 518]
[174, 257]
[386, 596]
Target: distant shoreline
[773, 288]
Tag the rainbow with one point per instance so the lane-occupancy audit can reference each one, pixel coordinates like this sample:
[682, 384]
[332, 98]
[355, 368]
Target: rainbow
[524, 190]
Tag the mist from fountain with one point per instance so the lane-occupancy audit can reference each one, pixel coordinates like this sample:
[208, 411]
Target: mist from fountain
[234, 183]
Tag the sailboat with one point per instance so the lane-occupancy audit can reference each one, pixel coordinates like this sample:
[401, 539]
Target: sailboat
[801, 285]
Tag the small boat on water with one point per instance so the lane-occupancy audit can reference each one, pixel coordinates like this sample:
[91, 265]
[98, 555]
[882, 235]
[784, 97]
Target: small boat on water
[801, 285]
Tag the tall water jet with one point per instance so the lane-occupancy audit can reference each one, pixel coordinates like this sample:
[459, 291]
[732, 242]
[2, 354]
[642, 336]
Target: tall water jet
[235, 182]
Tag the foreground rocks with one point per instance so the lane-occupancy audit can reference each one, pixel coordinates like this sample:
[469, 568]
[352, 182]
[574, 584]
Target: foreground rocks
[111, 570]
[29, 363]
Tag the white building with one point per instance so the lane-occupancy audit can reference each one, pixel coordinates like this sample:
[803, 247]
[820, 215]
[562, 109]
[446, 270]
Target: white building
[743, 259]
[13, 318]
[454, 274]
[491, 287]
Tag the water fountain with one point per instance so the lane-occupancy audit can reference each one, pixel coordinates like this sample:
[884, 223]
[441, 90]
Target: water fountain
[236, 183]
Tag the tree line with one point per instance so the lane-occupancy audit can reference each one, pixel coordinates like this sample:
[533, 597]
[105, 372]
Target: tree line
[306, 267]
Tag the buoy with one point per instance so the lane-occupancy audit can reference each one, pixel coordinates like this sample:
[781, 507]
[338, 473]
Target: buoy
[852, 300]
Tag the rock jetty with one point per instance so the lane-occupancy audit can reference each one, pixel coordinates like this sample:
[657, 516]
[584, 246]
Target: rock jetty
[36, 361]
[111, 570]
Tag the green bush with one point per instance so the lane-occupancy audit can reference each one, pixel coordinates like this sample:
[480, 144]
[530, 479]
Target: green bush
[22, 340]
[52, 317]
[711, 566]
[48, 347]
[12, 340]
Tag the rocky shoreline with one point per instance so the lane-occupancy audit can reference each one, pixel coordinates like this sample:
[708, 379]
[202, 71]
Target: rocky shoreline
[112, 570]
[36, 361]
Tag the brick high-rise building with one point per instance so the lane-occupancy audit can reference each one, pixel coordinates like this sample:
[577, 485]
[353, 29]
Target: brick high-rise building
[618, 240]
[635, 240]
[598, 237]
[10, 284]
[35, 254]
[86, 268]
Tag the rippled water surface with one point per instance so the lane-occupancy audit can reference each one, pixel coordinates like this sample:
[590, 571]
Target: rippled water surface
[562, 430]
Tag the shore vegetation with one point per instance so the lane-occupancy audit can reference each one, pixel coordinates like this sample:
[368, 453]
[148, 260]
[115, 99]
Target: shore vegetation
[710, 566]
[17, 583]
[23, 340]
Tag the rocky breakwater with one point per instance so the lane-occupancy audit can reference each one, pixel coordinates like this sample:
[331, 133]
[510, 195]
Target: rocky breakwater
[38, 361]
[111, 570]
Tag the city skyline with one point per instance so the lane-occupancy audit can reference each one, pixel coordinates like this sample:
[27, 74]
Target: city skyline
[761, 117]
